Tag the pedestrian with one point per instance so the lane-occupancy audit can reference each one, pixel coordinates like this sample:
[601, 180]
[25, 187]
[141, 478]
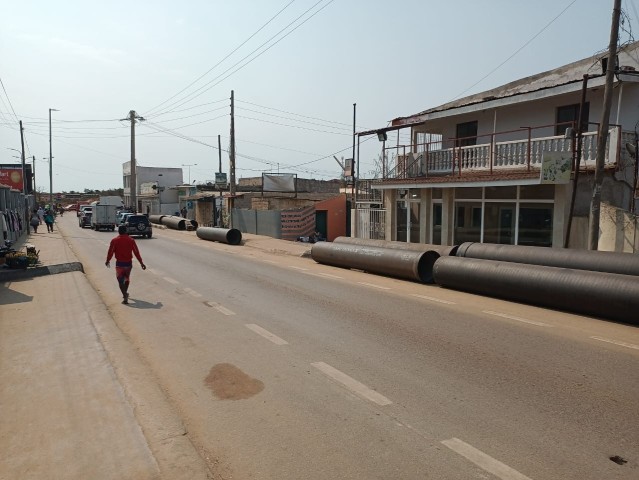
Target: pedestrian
[184, 211]
[123, 247]
[35, 221]
[41, 214]
[48, 219]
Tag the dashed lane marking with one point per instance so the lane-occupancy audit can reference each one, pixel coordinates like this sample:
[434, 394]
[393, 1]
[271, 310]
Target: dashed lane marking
[266, 334]
[220, 308]
[192, 292]
[351, 384]
[374, 286]
[483, 461]
[617, 342]
[433, 299]
[269, 261]
[171, 280]
[298, 268]
[517, 319]
[320, 274]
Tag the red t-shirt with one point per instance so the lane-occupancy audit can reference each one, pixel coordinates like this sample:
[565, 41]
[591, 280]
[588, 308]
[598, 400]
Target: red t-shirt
[124, 247]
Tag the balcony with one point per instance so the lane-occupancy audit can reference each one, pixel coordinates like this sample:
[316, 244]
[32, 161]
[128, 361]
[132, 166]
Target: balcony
[494, 157]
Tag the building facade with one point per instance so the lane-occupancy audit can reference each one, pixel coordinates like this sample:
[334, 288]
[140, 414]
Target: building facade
[498, 166]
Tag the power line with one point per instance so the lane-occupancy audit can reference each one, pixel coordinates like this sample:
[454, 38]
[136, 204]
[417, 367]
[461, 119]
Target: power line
[293, 119]
[227, 56]
[292, 126]
[516, 52]
[188, 108]
[195, 93]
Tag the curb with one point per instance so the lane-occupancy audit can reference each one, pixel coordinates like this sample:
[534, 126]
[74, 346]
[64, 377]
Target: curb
[8, 275]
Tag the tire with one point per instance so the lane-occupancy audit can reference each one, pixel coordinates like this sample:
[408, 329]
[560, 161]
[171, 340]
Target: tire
[149, 235]
[140, 226]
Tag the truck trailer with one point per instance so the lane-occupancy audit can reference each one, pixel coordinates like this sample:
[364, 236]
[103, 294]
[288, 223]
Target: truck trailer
[104, 216]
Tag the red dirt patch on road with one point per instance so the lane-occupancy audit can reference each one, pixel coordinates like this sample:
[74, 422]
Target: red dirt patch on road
[230, 383]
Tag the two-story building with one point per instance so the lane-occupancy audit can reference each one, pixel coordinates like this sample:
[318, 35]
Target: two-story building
[498, 166]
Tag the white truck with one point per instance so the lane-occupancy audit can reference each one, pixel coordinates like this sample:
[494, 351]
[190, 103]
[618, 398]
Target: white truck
[104, 216]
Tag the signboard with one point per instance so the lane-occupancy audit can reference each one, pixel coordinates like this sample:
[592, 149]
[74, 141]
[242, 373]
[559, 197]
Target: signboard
[556, 167]
[348, 167]
[279, 182]
[220, 179]
[11, 177]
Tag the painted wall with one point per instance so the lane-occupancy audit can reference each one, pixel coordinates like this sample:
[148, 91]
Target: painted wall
[335, 216]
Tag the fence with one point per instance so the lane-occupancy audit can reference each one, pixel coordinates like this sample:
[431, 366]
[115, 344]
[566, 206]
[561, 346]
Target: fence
[371, 223]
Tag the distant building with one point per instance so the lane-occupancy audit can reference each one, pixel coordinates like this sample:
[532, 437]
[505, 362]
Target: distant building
[157, 188]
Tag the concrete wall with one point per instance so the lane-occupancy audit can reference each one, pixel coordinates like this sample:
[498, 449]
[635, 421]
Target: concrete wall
[303, 185]
[335, 216]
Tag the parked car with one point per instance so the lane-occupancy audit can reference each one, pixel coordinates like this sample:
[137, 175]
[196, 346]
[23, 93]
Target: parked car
[121, 217]
[85, 208]
[85, 220]
[137, 224]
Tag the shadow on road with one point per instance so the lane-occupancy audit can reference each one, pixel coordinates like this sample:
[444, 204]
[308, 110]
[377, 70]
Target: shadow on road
[142, 304]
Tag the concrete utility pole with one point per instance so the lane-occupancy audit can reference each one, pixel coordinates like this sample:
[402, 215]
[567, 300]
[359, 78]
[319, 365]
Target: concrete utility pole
[232, 161]
[24, 170]
[595, 205]
[219, 153]
[133, 187]
[34, 181]
[51, 159]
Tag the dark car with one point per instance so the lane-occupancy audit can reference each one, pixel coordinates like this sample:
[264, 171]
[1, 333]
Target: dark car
[138, 225]
[84, 220]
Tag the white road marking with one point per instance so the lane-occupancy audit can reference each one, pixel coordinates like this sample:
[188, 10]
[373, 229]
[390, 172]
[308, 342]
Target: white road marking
[351, 384]
[269, 261]
[374, 286]
[320, 274]
[171, 280]
[616, 342]
[266, 334]
[192, 292]
[433, 299]
[297, 268]
[518, 319]
[153, 271]
[483, 461]
[220, 308]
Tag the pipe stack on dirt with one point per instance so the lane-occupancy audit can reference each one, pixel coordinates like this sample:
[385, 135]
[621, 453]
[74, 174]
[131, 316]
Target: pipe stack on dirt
[385, 261]
[232, 236]
[607, 295]
[611, 262]
[176, 223]
[443, 250]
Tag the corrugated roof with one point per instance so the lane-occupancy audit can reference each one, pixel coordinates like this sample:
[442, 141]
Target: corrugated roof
[570, 73]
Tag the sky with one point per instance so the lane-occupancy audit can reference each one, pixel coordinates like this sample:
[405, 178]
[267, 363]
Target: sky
[296, 69]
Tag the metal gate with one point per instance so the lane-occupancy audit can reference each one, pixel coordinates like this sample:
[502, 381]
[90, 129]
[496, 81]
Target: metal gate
[371, 223]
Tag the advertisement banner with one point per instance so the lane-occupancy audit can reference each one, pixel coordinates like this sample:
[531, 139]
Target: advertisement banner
[12, 177]
[556, 167]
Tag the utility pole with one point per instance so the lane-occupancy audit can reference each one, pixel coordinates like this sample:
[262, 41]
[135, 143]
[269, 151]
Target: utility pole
[51, 159]
[24, 180]
[133, 184]
[232, 161]
[217, 223]
[35, 192]
[219, 153]
[595, 205]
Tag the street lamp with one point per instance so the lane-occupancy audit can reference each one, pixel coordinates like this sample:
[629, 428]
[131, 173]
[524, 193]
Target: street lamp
[189, 165]
[51, 157]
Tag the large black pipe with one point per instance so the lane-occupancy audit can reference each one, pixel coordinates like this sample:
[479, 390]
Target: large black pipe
[395, 263]
[596, 261]
[232, 236]
[599, 294]
[157, 219]
[176, 223]
[443, 250]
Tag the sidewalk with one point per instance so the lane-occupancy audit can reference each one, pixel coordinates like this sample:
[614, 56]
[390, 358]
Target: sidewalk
[73, 400]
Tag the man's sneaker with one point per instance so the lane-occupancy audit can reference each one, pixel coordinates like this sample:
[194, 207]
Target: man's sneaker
[126, 299]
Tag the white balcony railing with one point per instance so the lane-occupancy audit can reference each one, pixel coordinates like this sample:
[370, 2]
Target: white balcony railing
[498, 156]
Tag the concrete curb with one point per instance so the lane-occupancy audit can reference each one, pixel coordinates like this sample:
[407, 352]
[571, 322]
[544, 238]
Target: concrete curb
[20, 274]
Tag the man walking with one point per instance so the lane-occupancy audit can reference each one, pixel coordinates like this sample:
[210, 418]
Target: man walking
[123, 247]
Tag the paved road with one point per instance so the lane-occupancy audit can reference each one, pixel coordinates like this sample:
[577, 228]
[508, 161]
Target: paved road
[282, 368]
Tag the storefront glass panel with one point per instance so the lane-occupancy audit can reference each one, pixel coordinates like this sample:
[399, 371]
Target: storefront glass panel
[467, 222]
[402, 222]
[535, 224]
[414, 222]
[437, 223]
[499, 223]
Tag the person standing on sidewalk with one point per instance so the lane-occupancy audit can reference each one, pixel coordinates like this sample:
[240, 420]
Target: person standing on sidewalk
[48, 219]
[123, 247]
[41, 214]
[35, 221]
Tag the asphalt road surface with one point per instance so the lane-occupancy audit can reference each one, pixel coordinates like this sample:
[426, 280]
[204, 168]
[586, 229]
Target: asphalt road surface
[285, 369]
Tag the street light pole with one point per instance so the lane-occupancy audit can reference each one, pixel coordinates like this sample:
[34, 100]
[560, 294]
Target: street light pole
[189, 165]
[50, 159]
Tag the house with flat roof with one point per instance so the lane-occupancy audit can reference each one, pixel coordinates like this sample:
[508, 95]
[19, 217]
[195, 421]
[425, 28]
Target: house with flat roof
[499, 166]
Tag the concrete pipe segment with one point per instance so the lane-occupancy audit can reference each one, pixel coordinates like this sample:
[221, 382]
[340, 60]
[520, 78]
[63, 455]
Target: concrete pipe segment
[600, 294]
[232, 236]
[611, 262]
[176, 223]
[157, 219]
[386, 261]
[443, 250]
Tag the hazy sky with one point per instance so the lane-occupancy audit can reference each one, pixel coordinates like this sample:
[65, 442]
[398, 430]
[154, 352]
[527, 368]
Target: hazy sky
[96, 61]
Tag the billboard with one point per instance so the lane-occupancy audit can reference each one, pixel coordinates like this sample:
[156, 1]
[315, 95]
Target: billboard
[11, 176]
[279, 182]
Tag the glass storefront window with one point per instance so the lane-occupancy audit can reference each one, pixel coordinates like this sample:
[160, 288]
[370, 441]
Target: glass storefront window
[402, 222]
[537, 192]
[535, 224]
[437, 223]
[467, 222]
[499, 223]
[414, 222]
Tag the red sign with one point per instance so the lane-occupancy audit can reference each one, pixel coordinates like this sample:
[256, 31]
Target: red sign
[11, 177]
